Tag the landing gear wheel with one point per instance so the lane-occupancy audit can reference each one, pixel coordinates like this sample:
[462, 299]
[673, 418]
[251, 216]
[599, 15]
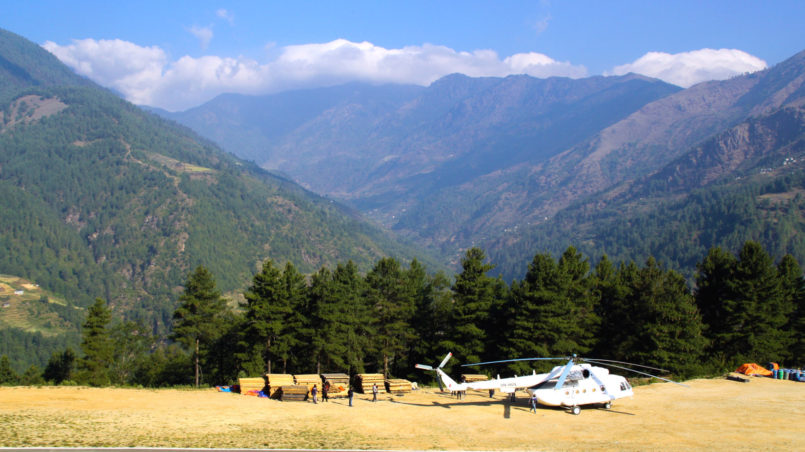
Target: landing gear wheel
[608, 405]
[576, 410]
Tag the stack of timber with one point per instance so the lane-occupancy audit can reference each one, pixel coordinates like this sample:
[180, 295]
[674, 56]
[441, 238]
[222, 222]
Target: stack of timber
[469, 378]
[398, 385]
[308, 380]
[296, 393]
[277, 381]
[339, 384]
[251, 386]
[364, 382]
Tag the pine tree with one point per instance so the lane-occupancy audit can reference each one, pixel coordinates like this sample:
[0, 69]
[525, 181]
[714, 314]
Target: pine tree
[197, 320]
[793, 285]
[475, 296]
[354, 321]
[7, 374]
[339, 321]
[320, 331]
[553, 309]
[744, 301]
[392, 302]
[712, 293]
[60, 366]
[32, 376]
[97, 346]
[295, 289]
[610, 296]
[759, 311]
[667, 332]
[132, 341]
[267, 308]
[433, 302]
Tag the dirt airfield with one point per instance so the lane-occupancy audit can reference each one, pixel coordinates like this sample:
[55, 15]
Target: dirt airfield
[712, 414]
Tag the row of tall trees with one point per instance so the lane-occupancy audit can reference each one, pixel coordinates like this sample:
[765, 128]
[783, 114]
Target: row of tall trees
[744, 308]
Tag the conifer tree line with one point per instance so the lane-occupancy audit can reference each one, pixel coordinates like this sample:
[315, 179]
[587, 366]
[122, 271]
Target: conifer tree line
[742, 308]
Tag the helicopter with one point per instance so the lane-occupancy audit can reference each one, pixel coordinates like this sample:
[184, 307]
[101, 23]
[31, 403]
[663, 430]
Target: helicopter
[577, 383]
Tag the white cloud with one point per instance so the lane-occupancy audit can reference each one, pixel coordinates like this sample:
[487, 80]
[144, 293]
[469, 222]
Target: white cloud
[688, 68]
[226, 15]
[130, 69]
[203, 34]
[145, 76]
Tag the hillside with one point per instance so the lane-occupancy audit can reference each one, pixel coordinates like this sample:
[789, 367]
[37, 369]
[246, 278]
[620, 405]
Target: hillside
[745, 182]
[500, 163]
[101, 199]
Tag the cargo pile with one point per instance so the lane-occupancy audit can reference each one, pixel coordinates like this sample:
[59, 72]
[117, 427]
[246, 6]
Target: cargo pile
[398, 386]
[308, 380]
[275, 382]
[339, 384]
[251, 386]
[296, 393]
[469, 378]
[364, 383]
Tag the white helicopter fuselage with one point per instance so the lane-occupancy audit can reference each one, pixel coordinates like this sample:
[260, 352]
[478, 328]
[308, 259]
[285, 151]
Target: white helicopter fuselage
[571, 385]
[585, 385]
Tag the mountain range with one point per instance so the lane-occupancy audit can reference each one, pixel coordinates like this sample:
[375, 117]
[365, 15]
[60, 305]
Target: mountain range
[520, 165]
[99, 198]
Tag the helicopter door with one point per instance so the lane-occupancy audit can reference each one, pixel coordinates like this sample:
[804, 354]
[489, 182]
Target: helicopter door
[571, 393]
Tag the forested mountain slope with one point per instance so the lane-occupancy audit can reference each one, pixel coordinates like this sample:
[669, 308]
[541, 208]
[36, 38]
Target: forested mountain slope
[743, 182]
[496, 162]
[101, 199]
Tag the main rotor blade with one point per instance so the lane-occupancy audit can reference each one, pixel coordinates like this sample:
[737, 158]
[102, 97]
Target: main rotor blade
[602, 385]
[648, 375]
[593, 360]
[446, 358]
[513, 360]
[423, 366]
[564, 375]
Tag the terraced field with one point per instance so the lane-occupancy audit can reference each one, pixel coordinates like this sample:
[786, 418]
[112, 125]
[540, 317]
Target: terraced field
[24, 305]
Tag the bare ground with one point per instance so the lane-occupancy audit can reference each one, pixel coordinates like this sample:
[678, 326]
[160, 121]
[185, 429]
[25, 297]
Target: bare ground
[712, 414]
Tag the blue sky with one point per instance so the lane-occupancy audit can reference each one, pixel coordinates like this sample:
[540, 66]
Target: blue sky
[177, 54]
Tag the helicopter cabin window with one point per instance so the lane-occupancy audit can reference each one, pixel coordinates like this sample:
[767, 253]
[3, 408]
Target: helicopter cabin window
[624, 386]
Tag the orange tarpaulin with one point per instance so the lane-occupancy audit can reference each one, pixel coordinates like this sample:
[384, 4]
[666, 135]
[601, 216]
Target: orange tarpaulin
[753, 369]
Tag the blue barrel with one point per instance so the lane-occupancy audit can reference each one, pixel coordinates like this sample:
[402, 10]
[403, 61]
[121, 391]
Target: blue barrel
[774, 373]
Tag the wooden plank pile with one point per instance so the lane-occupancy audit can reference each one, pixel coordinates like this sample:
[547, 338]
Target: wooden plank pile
[308, 380]
[296, 393]
[277, 381]
[398, 385]
[251, 386]
[469, 378]
[339, 384]
[364, 382]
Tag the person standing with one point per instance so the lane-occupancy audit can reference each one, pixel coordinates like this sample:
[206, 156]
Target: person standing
[350, 394]
[314, 392]
[374, 392]
[534, 403]
[324, 391]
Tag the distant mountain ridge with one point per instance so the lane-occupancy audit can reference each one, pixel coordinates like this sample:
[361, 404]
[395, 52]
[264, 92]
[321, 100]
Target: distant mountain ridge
[381, 151]
[484, 161]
